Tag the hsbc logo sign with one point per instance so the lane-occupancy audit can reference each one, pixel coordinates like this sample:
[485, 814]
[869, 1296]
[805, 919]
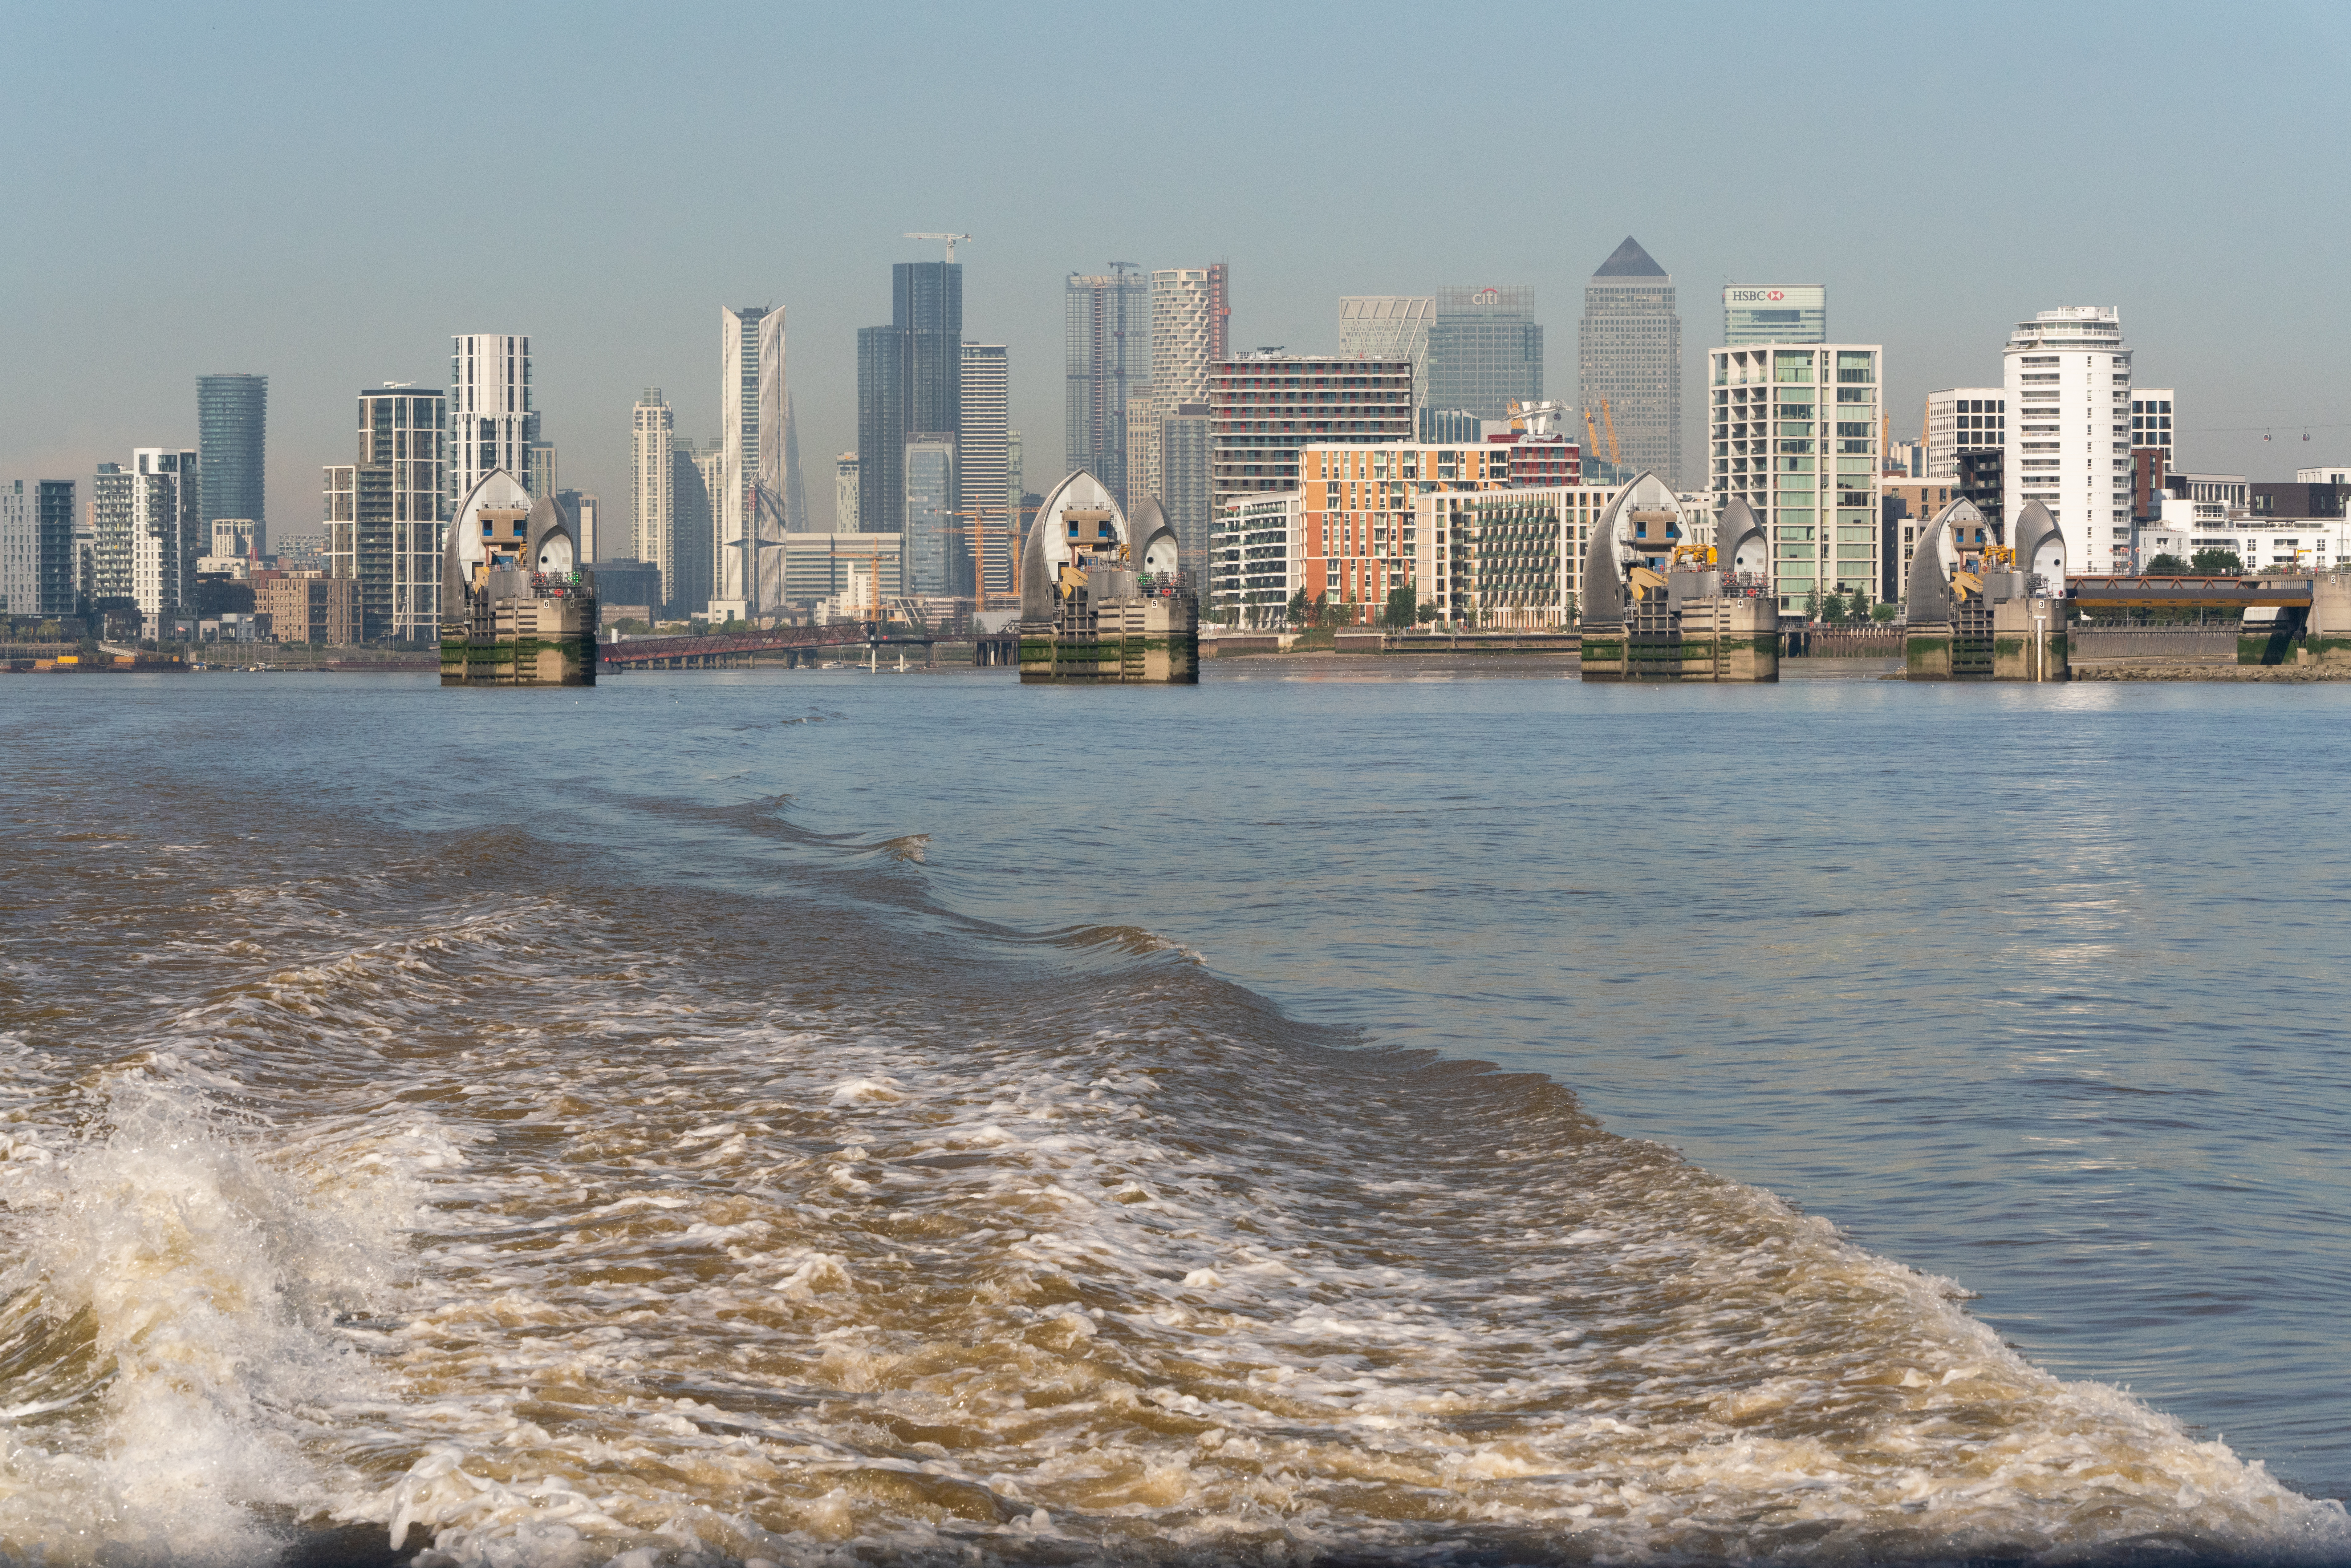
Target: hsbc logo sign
[1812, 298]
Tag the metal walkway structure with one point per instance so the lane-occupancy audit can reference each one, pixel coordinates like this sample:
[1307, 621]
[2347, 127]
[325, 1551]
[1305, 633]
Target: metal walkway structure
[792, 645]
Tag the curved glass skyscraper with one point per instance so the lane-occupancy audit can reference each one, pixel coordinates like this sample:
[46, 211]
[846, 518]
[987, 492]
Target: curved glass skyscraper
[231, 417]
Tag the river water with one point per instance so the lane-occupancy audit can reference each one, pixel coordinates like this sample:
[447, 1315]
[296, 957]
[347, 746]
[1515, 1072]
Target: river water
[1342, 1114]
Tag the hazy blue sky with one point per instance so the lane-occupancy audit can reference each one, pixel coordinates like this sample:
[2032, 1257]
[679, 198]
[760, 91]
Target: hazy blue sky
[325, 193]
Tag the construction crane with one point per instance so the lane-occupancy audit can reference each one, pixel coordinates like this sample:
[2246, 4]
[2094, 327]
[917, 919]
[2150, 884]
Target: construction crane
[1534, 418]
[1608, 417]
[951, 240]
[1592, 432]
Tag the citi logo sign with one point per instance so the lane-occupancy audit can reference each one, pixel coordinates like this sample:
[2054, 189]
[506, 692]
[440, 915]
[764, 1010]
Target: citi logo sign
[1487, 297]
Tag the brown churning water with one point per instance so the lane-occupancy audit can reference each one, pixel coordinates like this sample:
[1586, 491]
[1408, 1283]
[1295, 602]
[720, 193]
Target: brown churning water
[461, 1184]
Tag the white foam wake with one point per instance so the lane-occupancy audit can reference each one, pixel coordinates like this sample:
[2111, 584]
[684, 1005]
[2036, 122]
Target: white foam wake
[170, 1305]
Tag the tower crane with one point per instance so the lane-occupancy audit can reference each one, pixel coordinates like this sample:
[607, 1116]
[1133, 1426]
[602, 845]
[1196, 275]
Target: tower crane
[1608, 417]
[951, 240]
[1592, 432]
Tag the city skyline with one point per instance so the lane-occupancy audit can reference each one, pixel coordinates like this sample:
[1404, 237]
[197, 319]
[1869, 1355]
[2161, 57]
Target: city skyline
[100, 374]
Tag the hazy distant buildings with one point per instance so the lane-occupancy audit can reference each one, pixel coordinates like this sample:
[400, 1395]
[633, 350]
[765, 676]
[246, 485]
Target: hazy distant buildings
[697, 480]
[983, 455]
[1775, 313]
[539, 476]
[232, 428]
[1390, 327]
[930, 537]
[1485, 350]
[1265, 407]
[2067, 381]
[587, 515]
[762, 494]
[1960, 420]
[652, 489]
[909, 382]
[1629, 357]
[845, 493]
[492, 424]
[1106, 323]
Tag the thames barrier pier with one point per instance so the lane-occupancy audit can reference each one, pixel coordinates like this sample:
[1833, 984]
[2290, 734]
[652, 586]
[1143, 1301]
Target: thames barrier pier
[517, 607]
[1101, 600]
[1656, 606]
[1982, 610]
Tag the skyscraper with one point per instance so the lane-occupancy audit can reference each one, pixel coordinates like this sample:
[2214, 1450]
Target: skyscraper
[37, 573]
[762, 477]
[697, 478]
[1485, 350]
[2068, 385]
[587, 515]
[909, 383]
[148, 533]
[1390, 327]
[653, 492]
[1775, 313]
[1629, 357]
[1795, 435]
[393, 499]
[1187, 340]
[982, 455]
[538, 475]
[931, 536]
[845, 493]
[1107, 327]
[491, 421]
[232, 428]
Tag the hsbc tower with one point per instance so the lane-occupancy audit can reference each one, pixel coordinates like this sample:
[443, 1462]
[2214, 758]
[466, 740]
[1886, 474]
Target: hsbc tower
[1775, 313]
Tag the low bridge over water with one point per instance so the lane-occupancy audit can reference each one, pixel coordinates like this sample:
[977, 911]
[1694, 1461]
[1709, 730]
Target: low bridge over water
[794, 647]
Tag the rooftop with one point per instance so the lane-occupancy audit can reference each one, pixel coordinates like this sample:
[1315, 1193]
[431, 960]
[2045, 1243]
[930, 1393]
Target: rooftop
[1629, 261]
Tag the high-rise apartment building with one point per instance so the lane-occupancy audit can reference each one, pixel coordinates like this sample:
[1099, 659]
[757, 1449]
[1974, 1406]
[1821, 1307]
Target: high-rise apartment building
[1390, 327]
[1106, 321]
[1485, 350]
[983, 454]
[20, 569]
[931, 538]
[2151, 422]
[167, 530]
[1189, 320]
[1629, 359]
[652, 489]
[1961, 420]
[1264, 408]
[492, 423]
[382, 513]
[2068, 384]
[39, 573]
[587, 517]
[355, 500]
[149, 531]
[909, 382]
[1794, 433]
[697, 480]
[844, 493]
[231, 430]
[762, 494]
[1187, 465]
[1775, 313]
